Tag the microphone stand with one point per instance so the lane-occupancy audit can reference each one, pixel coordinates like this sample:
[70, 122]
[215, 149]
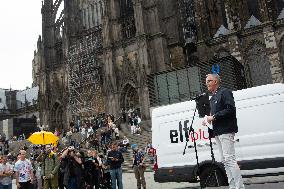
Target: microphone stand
[191, 130]
[202, 105]
[213, 168]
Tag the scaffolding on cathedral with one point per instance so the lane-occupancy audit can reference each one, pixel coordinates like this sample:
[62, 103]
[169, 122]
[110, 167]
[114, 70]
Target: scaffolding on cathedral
[85, 82]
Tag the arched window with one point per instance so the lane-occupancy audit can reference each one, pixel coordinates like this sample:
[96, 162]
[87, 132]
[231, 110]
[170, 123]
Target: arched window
[229, 68]
[56, 116]
[257, 65]
[216, 14]
[189, 28]
[129, 98]
[127, 18]
[253, 8]
[279, 5]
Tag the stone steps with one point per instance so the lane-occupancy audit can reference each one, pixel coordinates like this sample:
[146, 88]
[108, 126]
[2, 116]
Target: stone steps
[141, 141]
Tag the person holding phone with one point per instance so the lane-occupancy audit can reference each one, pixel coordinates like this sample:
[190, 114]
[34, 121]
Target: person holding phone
[114, 160]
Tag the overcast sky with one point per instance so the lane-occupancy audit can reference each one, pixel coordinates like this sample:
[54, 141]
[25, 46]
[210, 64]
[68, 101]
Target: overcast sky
[20, 22]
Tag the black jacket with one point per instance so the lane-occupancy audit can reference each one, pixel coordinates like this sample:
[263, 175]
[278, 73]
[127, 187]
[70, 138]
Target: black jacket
[91, 171]
[223, 108]
[72, 169]
[115, 164]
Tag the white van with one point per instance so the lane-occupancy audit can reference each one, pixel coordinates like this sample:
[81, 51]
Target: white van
[259, 142]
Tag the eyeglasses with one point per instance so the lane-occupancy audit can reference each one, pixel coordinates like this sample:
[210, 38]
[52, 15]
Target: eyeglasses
[210, 80]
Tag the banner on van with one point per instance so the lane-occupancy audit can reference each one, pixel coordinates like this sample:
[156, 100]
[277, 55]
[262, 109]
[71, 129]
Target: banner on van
[185, 134]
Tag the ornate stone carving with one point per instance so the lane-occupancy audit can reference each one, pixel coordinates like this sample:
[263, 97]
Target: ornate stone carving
[128, 72]
[109, 84]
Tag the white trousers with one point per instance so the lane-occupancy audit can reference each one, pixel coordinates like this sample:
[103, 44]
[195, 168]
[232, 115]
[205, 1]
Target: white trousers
[225, 143]
[133, 129]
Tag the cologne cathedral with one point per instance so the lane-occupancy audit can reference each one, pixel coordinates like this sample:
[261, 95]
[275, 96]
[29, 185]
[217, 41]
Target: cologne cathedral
[110, 56]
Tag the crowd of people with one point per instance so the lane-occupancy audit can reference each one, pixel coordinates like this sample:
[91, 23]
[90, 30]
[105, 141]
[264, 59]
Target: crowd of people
[93, 162]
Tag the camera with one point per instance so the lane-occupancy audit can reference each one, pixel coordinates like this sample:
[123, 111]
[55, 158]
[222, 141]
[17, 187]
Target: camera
[70, 148]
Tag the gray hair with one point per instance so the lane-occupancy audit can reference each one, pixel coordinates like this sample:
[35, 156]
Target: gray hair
[216, 76]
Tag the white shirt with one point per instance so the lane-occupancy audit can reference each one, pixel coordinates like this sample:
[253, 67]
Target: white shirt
[90, 131]
[69, 133]
[83, 131]
[125, 141]
[24, 169]
[116, 131]
[138, 120]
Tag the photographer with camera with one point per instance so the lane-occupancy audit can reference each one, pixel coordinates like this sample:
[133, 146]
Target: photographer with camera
[72, 163]
[92, 171]
[49, 168]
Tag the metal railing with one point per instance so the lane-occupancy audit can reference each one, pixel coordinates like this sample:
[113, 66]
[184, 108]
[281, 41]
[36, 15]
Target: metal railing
[182, 84]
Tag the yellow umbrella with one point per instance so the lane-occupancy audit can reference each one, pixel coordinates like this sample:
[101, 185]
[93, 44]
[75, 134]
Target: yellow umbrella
[43, 138]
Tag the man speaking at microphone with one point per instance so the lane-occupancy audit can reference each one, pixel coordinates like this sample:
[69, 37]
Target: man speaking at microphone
[224, 121]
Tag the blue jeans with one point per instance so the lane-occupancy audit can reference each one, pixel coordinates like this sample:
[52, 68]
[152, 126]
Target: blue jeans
[72, 183]
[123, 149]
[9, 186]
[116, 174]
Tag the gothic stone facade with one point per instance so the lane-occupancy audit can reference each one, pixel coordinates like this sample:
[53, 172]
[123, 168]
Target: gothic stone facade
[50, 70]
[140, 37]
[253, 35]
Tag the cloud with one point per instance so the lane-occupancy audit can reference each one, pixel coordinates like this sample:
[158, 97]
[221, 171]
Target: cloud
[20, 27]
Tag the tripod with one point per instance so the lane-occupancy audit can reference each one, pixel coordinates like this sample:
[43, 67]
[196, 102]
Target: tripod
[191, 130]
[213, 168]
[203, 107]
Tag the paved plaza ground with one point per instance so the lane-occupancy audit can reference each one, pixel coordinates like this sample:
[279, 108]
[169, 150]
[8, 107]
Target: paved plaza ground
[129, 181]
[276, 182]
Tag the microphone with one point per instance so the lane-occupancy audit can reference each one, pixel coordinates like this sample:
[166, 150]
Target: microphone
[197, 97]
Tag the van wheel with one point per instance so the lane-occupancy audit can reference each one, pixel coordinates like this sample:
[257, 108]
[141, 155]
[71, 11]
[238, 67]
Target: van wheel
[209, 178]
